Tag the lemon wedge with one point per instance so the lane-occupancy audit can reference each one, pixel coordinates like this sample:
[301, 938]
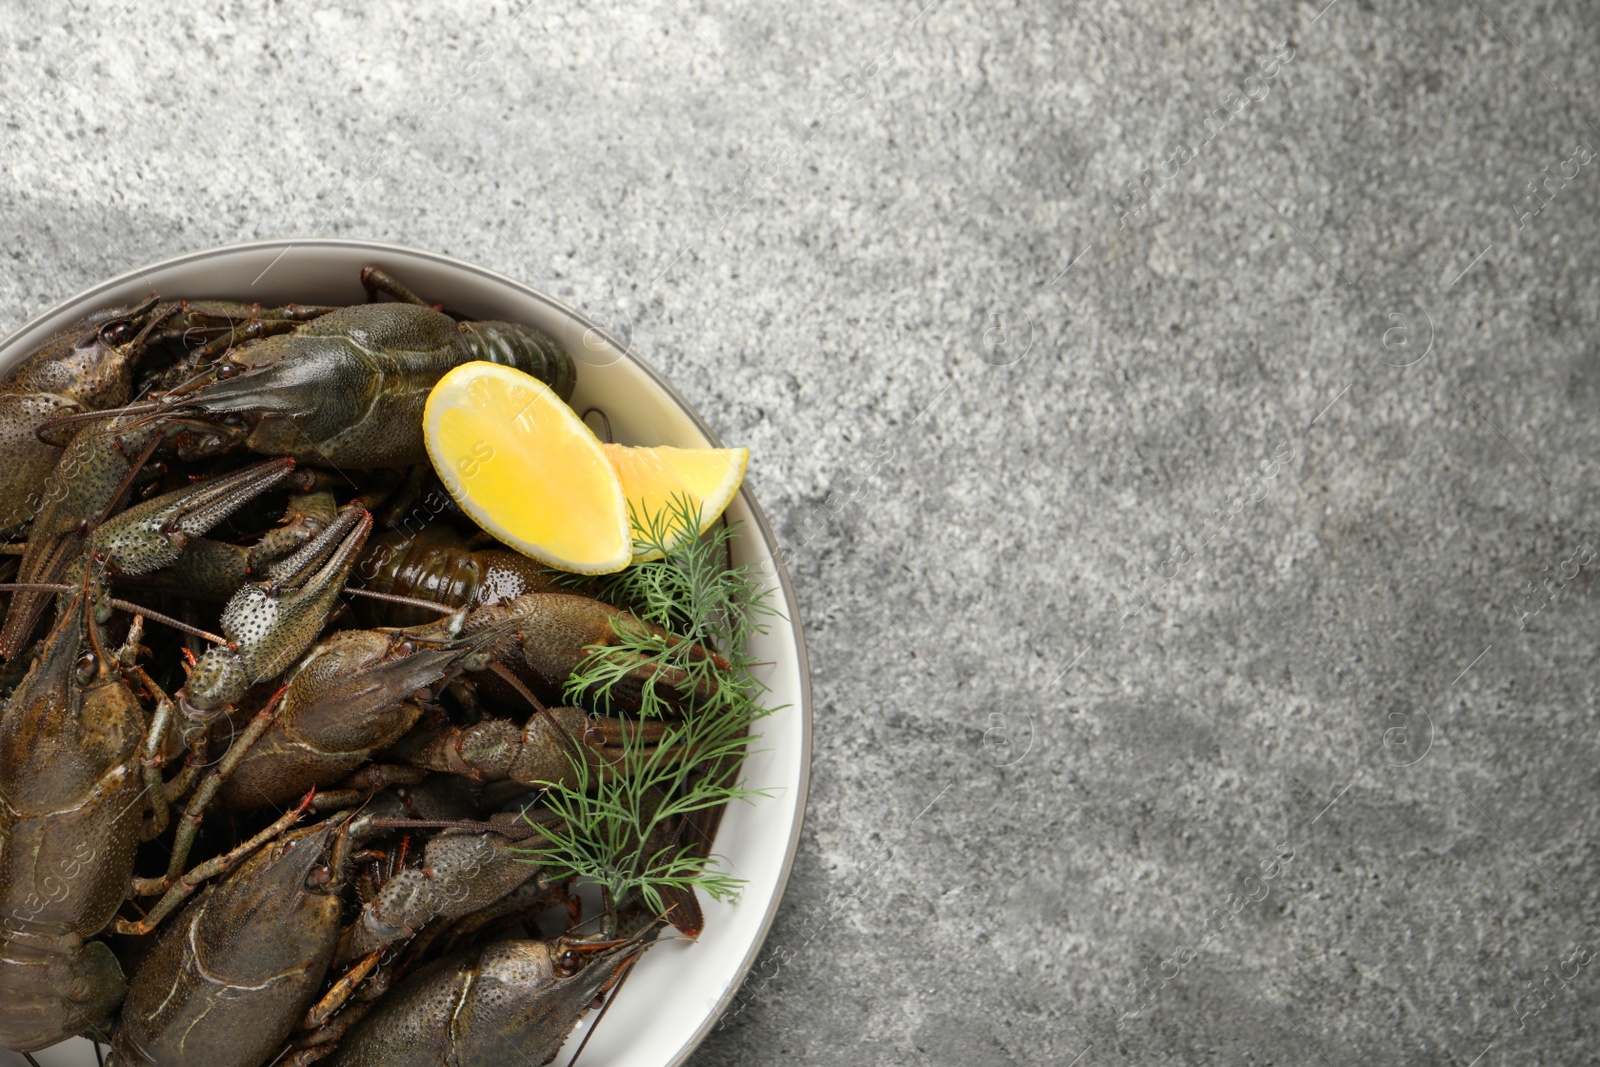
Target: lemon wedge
[654, 480]
[525, 467]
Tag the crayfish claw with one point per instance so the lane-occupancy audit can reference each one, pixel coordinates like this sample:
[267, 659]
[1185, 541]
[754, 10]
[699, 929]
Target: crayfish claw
[269, 624]
[153, 535]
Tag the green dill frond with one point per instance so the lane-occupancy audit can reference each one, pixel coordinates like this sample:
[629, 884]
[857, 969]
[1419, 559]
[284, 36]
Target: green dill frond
[615, 826]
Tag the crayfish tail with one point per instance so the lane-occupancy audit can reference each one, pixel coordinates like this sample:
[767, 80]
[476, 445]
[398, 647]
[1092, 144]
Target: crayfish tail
[524, 348]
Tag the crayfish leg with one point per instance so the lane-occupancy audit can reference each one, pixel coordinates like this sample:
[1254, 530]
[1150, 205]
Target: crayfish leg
[376, 280]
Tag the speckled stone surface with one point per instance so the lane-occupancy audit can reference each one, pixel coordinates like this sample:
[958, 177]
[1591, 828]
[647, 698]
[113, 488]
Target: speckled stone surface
[1198, 572]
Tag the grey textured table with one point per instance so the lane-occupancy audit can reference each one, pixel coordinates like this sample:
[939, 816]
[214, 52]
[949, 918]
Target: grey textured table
[1197, 561]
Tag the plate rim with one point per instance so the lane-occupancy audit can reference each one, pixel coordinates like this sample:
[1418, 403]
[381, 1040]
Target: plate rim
[763, 526]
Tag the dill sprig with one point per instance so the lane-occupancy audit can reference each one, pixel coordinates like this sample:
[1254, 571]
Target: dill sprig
[616, 824]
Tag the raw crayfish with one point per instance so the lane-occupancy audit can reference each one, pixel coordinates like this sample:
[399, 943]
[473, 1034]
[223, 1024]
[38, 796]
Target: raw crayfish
[412, 724]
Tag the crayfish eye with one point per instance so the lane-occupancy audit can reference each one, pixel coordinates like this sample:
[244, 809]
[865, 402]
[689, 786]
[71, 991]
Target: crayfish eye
[569, 963]
[319, 877]
[228, 369]
[88, 663]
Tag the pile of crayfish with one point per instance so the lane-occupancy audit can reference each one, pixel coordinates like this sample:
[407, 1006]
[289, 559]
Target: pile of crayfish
[271, 747]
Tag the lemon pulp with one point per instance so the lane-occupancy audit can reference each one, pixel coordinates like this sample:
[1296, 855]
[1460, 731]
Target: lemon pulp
[525, 467]
[653, 477]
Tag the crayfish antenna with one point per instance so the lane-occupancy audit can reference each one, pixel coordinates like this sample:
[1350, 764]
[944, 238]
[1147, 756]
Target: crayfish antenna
[129, 606]
[145, 408]
[626, 967]
[396, 598]
[619, 976]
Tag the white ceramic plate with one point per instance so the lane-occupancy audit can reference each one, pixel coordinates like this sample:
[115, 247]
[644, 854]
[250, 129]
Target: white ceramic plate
[679, 989]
